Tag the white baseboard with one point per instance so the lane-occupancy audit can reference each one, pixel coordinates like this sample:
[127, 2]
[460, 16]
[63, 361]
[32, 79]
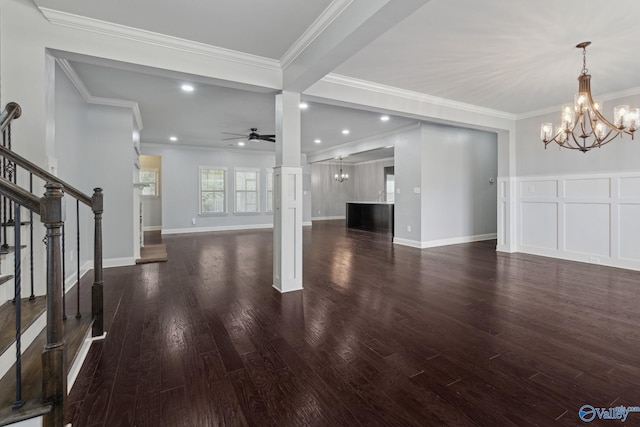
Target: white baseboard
[152, 228]
[443, 242]
[407, 242]
[118, 262]
[327, 218]
[71, 281]
[585, 258]
[219, 228]
[306, 223]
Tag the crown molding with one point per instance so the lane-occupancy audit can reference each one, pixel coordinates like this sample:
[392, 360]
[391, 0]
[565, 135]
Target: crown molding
[318, 26]
[143, 36]
[89, 98]
[606, 97]
[367, 162]
[414, 96]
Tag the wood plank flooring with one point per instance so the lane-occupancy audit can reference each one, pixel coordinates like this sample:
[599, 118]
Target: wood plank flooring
[382, 335]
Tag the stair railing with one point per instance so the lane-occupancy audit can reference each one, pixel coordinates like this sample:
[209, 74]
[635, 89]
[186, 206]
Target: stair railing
[50, 209]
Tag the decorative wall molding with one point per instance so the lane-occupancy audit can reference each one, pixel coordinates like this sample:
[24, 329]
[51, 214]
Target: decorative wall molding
[556, 109]
[89, 98]
[148, 37]
[318, 26]
[414, 96]
[581, 217]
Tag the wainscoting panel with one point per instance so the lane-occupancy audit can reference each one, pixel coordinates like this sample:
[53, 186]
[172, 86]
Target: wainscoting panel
[587, 228]
[542, 225]
[590, 218]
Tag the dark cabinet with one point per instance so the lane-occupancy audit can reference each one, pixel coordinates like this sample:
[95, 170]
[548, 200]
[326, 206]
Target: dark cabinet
[370, 216]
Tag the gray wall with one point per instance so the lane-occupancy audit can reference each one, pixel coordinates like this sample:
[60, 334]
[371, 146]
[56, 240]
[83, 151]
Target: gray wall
[329, 197]
[408, 172]
[102, 133]
[532, 159]
[110, 142]
[368, 179]
[458, 199]
[180, 197]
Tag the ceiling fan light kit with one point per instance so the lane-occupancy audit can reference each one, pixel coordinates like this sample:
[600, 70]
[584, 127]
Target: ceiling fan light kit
[583, 126]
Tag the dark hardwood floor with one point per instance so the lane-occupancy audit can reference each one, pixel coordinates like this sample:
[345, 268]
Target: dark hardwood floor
[382, 335]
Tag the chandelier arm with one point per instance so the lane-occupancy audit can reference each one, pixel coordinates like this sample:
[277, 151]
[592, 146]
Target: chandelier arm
[599, 115]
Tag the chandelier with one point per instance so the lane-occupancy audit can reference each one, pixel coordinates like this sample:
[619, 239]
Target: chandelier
[341, 177]
[583, 126]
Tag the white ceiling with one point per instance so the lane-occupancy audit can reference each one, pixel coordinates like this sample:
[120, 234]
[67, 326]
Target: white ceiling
[201, 117]
[264, 28]
[512, 56]
[515, 56]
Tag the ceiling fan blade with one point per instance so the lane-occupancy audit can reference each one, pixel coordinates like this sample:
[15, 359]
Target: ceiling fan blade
[266, 136]
[237, 137]
[231, 133]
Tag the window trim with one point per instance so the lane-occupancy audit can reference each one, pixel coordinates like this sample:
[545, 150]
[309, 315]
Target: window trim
[257, 191]
[266, 190]
[225, 190]
[157, 182]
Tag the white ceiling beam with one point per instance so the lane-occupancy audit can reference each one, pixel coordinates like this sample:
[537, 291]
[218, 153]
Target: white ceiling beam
[344, 28]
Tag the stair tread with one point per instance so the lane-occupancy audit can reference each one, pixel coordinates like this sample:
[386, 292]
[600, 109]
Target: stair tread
[4, 279]
[31, 310]
[74, 332]
[30, 410]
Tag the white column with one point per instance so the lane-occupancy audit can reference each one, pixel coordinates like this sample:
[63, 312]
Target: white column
[287, 196]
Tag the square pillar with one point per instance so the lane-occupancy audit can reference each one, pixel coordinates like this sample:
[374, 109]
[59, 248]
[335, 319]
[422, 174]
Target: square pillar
[287, 196]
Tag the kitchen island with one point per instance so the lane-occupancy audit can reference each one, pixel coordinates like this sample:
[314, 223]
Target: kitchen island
[371, 216]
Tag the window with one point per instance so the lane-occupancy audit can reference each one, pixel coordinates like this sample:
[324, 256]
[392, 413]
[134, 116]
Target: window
[213, 194]
[247, 186]
[269, 198]
[150, 177]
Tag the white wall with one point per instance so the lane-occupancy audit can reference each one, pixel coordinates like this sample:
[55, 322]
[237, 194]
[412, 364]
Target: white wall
[408, 173]
[180, 191]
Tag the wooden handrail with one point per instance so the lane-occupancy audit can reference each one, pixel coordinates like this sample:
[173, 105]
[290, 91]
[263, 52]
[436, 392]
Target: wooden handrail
[19, 195]
[49, 177]
[11, 111]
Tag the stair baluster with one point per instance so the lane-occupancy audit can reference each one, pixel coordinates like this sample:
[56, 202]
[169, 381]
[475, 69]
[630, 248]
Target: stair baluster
[18, 403]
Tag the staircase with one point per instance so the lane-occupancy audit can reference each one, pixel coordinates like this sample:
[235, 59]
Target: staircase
[41, 348]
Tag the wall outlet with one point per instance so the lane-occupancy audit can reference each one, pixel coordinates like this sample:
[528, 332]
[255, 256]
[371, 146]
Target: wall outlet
[193, 221]
[397, 190]
[318, 211]
[416, 190]
[408, 228]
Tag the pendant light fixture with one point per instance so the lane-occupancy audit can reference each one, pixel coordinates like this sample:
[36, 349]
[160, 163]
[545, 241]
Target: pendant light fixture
[341, 177]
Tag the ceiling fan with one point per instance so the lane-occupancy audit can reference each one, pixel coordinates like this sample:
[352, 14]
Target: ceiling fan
[253, 136]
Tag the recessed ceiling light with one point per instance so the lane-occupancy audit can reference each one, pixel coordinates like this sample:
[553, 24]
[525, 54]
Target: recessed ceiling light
[345, 131]
[187, 87]
[304, 105]
[173, 138]
[317, 141]
[384, 118]
[241, 144]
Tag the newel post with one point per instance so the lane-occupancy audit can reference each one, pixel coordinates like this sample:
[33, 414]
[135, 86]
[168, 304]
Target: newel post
[54, 369]
[97, 206]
